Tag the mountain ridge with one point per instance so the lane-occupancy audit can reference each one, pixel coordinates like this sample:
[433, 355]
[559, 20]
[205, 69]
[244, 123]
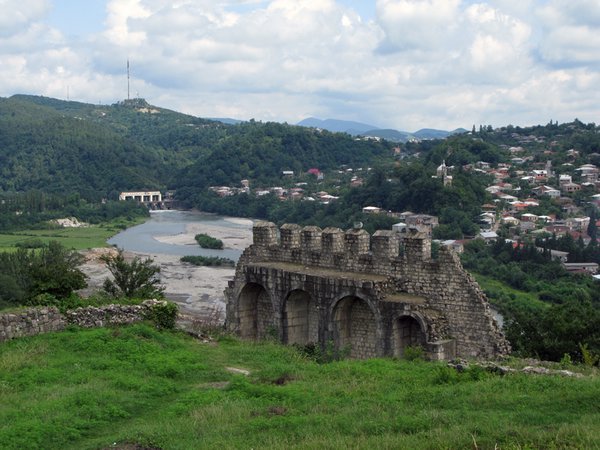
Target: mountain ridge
[362, 129]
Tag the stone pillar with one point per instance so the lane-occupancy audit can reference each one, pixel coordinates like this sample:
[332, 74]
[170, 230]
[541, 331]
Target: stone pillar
[358, 242]
[332, 241]
[385, 244]
[417, 247]
[311, 238]
[290, 235]
[264, 234]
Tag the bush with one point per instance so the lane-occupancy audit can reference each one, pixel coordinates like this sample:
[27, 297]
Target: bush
[206, 241]
[163, 315]
[413, 353]
[208, 261]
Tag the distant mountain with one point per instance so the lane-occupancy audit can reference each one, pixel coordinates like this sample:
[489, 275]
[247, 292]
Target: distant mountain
[363, 129]
[390, 135]
[337, 126]
[429, 133]
[226, 120]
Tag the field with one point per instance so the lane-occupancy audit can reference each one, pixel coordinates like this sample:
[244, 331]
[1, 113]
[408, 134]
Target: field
[83, 238]
[122, 387]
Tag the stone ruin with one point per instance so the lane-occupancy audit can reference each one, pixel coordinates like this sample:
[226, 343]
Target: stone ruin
[373, 295]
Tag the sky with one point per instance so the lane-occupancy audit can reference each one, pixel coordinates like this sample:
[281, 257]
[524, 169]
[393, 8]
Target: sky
[402, 64]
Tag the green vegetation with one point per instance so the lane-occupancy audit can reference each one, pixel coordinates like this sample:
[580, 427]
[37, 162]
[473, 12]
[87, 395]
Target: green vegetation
[137, 278]
[97, 151]
[44, 276]
[208, 261]
[94, 236]
[548, 312]
[87, 389]
[206, 241]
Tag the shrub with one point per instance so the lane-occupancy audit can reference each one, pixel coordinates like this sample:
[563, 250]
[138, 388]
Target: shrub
[413, 353]
[163, 314]
[208, 261]
[206, 241]
[135, 279]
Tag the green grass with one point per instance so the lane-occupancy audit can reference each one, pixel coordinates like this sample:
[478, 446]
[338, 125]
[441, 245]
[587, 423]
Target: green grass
[82, 389]
[78, 238]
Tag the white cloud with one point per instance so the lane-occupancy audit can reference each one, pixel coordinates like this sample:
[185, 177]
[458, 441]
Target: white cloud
[416, 63]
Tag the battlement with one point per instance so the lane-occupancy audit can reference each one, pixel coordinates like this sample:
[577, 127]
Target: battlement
[354, 249]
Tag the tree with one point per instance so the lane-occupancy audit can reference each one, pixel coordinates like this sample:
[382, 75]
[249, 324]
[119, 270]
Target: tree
[55, 271]
[135, 279]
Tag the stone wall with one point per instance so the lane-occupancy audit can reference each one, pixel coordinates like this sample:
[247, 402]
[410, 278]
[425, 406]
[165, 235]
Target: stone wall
[376, 294]
[33, 321]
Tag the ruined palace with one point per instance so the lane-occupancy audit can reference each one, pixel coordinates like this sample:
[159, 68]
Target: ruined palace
[371, 295]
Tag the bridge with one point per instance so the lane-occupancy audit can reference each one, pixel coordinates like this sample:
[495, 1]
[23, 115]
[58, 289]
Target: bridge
[371, 295]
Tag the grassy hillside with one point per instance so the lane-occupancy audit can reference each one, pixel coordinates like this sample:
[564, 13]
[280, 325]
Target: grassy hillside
[106, 388]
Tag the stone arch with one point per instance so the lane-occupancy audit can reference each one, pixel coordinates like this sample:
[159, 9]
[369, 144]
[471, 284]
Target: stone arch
[408, 330]
[355, 326]
[300, 318]
[255, 312]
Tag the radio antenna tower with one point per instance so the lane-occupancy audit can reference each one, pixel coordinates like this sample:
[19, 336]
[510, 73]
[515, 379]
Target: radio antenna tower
[127, 78]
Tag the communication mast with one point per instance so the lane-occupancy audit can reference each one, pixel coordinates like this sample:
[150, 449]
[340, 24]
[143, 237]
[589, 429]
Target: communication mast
[127, 78]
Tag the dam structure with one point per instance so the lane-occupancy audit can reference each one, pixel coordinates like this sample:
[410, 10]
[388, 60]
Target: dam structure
[369, 295]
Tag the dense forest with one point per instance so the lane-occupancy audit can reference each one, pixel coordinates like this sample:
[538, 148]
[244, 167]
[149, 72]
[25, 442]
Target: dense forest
[97, 151]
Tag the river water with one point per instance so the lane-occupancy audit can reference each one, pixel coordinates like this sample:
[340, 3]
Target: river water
[140, 239]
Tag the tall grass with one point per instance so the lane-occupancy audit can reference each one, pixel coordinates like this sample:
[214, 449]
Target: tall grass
[92, 388]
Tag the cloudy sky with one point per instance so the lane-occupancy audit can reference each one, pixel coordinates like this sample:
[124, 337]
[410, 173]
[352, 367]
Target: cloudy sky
[404, 64]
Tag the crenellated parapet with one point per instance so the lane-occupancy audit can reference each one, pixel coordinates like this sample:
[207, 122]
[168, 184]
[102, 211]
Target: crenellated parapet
[333, 248]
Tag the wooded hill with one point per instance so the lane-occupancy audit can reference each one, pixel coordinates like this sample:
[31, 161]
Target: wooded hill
[98, 150]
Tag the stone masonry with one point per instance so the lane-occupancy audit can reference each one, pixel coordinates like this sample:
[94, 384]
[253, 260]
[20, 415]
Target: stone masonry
[369, 295]
[33, 321]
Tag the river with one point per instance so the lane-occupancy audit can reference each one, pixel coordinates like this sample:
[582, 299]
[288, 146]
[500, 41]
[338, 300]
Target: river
[142, 238]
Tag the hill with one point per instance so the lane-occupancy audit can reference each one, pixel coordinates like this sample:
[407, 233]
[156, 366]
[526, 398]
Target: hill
[42, 148]
[137, 387]
[96, 150]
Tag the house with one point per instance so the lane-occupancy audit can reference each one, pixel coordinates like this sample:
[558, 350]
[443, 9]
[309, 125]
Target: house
[570, 187]
[488, 236]
[455, 245]
[423, 223]
[546, 190]
[510, 220]
[371, 210]
[564, 179]
[585, 267]
[528, 217]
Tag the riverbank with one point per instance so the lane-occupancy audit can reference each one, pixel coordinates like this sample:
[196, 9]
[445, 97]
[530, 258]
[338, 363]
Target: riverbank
[233, 238]
[197, 290]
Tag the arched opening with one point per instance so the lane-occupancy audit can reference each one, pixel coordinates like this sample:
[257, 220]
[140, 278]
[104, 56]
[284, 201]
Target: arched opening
[407, 332]
[300, 318]
[355, 328]
[255, 312]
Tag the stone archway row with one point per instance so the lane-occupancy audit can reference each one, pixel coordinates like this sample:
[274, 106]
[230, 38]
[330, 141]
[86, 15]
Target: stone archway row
[353, 324]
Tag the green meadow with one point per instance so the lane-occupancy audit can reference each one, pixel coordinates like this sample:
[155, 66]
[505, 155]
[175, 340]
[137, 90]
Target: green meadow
[137, 387]
[92, 236]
